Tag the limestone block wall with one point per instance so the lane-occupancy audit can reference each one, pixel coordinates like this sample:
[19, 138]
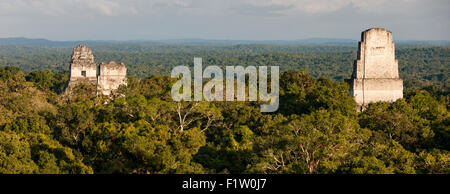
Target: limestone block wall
[90, 72]
[111, 76]
[370, 90]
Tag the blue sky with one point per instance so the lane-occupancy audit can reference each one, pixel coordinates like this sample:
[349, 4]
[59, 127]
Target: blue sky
[222, 19]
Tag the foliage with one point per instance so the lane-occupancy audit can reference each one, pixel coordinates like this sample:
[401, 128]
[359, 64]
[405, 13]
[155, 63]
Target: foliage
[315, 130]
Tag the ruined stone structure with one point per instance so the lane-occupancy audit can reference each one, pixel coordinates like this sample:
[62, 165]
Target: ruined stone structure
[375, 71]
[84, 70]
[112, 75]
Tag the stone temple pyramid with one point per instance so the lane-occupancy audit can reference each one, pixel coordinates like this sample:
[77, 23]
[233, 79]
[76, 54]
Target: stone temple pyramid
[375, 71]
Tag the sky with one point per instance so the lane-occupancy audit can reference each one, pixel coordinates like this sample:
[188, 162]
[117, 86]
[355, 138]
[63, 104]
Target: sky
[222, 19]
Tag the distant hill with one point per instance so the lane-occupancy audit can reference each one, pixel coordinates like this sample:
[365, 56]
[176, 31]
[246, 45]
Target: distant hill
[20, 41]
[49, 43]
[309, 41]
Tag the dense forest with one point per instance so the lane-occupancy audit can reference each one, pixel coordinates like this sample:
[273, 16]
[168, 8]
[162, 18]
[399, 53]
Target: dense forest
[315, 130]
[419, 66]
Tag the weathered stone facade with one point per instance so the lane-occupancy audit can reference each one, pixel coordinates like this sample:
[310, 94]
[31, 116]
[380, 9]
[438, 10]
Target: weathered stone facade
[375, 72]
[84, 70]
[112, 75]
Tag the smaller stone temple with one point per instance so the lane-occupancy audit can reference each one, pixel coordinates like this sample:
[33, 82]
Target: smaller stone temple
[107, 77]
[111, 76]
[375, 71]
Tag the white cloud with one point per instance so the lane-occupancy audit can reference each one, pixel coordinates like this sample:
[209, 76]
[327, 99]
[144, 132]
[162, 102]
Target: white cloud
[195, 7]
[229, 19]
[324, 6]
[66, 7]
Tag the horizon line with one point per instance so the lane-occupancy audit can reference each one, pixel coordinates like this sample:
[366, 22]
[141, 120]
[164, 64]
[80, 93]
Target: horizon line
[211, 39]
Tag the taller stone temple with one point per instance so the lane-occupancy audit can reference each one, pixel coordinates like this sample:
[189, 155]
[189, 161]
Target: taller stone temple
[82, 68]
[375, 71]
[106, 78]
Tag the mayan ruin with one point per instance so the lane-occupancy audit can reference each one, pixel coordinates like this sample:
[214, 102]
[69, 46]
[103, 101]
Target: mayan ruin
[107, 77]
[111, 76]
[375, 71]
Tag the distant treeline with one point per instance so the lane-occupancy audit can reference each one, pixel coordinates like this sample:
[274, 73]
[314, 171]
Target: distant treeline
[420, 66]
[21, 41]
